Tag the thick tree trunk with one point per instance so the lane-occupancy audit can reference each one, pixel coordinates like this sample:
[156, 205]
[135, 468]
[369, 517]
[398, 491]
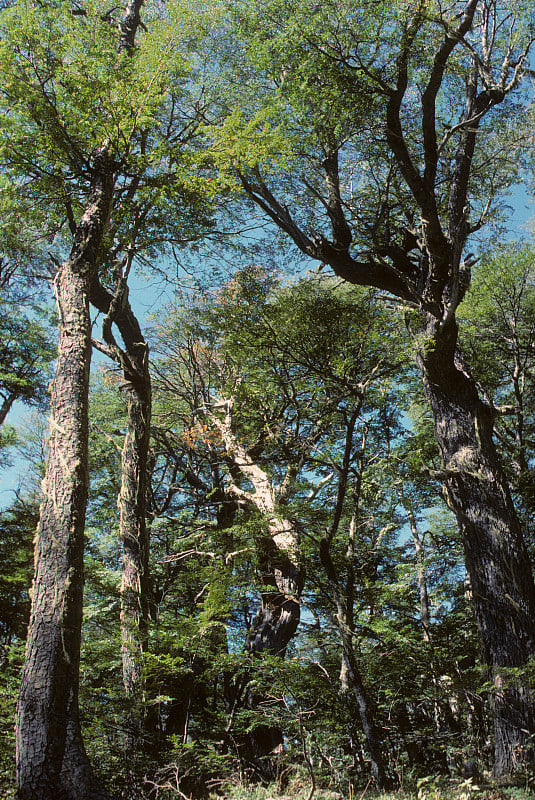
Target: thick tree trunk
[278, 617]
[496, 558]
[51, 761]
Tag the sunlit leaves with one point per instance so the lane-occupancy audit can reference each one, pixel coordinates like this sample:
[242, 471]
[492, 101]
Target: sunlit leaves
[68, 89]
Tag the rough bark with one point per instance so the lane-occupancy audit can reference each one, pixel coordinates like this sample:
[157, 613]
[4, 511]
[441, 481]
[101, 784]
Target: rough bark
[133, 358]
[134, 535]
[427, 268]
[51, 761]
[503, 592]
[272, 629]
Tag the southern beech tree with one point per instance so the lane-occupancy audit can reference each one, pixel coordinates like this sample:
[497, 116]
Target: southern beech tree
[51, 758]
[80, 106]
[394, 127]
[278, 384]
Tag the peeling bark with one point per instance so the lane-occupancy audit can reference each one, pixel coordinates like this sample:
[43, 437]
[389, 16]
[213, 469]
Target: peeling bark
[51, 760]
[281, 579]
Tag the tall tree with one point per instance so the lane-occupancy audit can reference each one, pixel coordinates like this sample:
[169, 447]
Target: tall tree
[270, 389]
[400, 162]
[51, 759]
[93, 105]
[133, 359]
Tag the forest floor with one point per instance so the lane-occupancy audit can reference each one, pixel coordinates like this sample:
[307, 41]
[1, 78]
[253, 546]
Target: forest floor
[427, 789]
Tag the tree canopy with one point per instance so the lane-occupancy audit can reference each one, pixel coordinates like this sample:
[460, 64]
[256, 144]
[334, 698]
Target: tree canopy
[284, 531]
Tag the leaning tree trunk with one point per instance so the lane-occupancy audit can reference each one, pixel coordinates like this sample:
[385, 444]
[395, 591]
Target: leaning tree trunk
[496, 558]
[281, 578]
[352, 677]
[51, 760]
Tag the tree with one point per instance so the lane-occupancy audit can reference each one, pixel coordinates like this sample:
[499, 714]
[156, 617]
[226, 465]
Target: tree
[26, 355]
[398, 167]
[269, 388]
[96, 114]
[51, 759]
[498, 318]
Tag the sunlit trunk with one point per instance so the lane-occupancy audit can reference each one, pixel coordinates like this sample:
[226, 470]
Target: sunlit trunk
[51, 760]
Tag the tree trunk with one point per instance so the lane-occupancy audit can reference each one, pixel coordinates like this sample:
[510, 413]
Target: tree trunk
[278, 617]
[353, 677]
[132, 500]
[496, 558]
[5, 408]
[133, 358]
[273, 628]
[51, 760]
[134, 535]
[366, 715]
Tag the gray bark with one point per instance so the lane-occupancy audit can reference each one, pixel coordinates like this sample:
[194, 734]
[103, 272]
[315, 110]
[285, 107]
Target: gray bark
[133, 358]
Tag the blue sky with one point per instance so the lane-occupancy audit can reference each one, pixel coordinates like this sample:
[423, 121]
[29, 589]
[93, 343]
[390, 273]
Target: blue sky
[147, 297]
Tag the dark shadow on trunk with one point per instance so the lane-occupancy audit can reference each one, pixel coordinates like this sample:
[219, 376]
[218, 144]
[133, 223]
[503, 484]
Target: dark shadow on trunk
[503, 593]
[273, 628]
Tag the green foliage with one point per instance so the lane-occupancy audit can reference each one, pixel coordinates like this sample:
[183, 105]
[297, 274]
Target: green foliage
[11, 663]
[17, 526]
[313, 375]
[26, 352]
[67, 91]
[498, 331]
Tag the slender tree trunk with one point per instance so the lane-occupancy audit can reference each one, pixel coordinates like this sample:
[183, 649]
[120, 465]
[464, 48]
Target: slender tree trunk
[51, 760]
[496, 558]
[135, 567]
[133, 358]
[353, 677]
[134, 535]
